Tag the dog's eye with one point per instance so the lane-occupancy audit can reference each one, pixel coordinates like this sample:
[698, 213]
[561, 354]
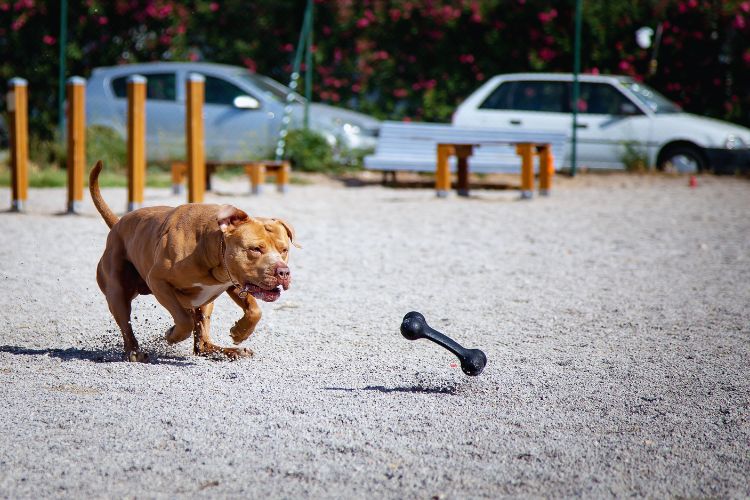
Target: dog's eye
[284, 250]
[256, 249]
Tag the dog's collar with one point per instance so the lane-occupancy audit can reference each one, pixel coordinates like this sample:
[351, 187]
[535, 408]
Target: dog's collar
[222, 244]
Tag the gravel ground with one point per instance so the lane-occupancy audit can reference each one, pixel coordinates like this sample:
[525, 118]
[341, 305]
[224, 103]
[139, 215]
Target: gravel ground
[614, 315]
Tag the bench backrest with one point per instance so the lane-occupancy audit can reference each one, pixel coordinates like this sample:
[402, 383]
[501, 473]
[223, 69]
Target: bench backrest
[416, 144]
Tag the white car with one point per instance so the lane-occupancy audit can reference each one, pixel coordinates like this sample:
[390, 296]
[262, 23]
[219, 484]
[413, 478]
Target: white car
[618, 119]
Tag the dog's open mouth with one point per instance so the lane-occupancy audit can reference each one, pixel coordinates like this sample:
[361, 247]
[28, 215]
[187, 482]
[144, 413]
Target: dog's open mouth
[262, 293]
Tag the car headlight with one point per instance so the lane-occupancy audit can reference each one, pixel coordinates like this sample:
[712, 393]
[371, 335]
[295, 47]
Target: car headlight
[735, 142]
[351, 129]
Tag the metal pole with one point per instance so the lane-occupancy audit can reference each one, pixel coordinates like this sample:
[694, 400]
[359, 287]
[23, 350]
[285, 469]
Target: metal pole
[576, 89]
[306, 25]
[61, 66]
[308, 65]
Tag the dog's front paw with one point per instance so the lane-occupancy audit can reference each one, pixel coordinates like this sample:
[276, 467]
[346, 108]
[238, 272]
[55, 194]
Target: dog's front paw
[136, 357]
[240, 332]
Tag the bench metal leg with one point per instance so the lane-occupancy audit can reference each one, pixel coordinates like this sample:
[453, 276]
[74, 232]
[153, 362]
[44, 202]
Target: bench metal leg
[546, 169]
[463, 176]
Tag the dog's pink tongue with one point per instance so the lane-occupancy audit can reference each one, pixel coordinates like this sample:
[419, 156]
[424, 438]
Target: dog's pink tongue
[262, 294]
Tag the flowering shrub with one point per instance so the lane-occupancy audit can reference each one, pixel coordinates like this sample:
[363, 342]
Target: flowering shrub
[398, 59]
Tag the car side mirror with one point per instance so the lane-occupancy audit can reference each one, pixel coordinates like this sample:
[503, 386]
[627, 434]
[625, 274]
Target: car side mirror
[245, 102]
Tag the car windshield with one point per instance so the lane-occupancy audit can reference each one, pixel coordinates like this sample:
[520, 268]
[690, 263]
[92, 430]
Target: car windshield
[271, 88]
[651, 98]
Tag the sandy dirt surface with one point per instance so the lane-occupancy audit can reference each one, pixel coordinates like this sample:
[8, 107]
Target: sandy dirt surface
[614, 315]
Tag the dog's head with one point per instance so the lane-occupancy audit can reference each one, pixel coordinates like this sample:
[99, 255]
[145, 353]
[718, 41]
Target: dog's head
[257, 252]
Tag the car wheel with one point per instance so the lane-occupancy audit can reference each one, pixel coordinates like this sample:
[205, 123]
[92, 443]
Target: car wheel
[683, 160]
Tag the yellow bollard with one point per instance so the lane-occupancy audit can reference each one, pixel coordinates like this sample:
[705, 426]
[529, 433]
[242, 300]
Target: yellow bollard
[546, 169]
[178, 176]
[257, 177]
[194, 124]
[76, 93]
[525, 151]
[136, 141]
[17, 102]
[282, 176]
[443, 173]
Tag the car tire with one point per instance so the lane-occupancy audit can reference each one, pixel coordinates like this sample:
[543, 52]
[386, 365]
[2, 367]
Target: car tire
[683, 159]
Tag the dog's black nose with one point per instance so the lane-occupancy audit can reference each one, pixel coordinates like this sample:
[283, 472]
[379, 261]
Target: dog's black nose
[282, 272]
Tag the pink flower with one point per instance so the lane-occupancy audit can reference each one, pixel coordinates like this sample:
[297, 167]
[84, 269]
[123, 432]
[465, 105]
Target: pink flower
[356, 88]
[49, 40]
[745, 6]
[546, 54]
[400, 93]
[363, 23]
[250, 64]
[739, 22]
[546, 17]
[466, 58]
[214, 6]
[102, 20]
[624, 66]
[746, 57]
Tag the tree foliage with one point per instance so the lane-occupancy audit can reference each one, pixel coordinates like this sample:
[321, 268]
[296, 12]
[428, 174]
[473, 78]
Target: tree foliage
[399, 59]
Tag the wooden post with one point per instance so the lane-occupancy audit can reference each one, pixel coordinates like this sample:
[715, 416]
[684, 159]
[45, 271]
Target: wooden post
[282, 176]
[196, 160]
[462, 153]
[546, 169]
[178, 176]
[17, 102]
[136, 141]
[443, 172]
[257, 177]
[76, 161]
[525, 150]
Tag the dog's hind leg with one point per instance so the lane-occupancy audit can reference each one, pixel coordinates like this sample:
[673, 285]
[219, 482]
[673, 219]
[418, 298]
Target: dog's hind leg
[203, 345]
[118, 280]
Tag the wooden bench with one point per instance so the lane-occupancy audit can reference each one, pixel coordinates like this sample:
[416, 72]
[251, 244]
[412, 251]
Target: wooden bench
[443, 149]
[256, 171]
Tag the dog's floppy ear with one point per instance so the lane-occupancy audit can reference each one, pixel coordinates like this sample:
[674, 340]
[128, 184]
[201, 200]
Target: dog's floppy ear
[289, 231]
[230, 217]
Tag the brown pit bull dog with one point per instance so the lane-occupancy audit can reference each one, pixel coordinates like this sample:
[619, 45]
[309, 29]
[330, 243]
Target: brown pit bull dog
[187, 256]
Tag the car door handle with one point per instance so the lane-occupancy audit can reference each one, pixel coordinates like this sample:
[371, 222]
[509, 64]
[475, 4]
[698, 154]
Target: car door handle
[582, 125]
[515, 122]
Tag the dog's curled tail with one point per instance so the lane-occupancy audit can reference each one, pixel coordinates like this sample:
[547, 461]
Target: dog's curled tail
[107, 214]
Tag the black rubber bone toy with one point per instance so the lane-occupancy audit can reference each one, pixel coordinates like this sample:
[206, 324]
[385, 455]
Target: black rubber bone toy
[414, 327]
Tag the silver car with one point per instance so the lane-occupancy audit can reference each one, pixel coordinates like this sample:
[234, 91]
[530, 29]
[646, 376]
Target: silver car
[243, 111]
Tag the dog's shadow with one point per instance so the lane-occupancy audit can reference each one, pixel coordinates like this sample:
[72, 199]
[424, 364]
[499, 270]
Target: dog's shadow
[414, 389]
[93, 355]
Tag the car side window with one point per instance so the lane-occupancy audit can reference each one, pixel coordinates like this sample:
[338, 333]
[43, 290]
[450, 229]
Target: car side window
[604, 99]
[529, 96]
[220, 91]
[159, 86]
[499, 98]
